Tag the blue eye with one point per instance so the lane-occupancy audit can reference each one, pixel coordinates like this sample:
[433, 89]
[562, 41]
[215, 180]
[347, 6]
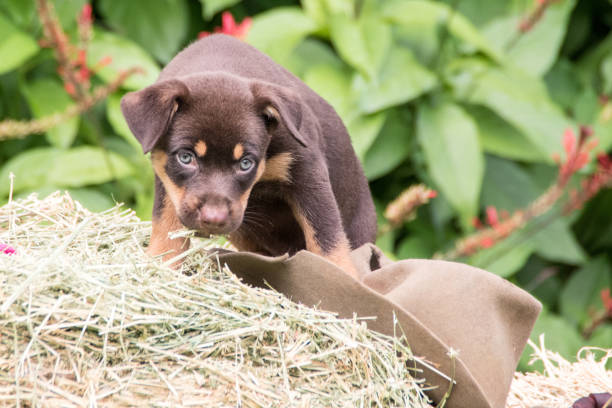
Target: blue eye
[246, 164]
[185, 157]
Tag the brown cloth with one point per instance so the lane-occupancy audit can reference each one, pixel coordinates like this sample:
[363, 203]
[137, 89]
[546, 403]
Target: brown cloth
[439, 305]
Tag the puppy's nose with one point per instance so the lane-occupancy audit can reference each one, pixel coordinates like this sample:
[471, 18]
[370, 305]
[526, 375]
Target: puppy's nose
[214, 215]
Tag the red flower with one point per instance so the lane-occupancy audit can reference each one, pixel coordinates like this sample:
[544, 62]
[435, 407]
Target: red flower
[7, 249]
[604, 161]
[69, 88]
[606, 300]
[432, 194]
[492, 217]
[230, 27]
[86, 14]
[107, 60]
[487, 242]
[581, 160]
[569, 141]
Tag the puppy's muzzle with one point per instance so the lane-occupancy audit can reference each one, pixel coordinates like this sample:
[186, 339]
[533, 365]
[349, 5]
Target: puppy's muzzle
[216, 216]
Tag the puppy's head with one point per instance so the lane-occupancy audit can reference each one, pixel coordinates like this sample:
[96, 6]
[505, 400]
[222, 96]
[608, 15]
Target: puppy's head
[208, 136]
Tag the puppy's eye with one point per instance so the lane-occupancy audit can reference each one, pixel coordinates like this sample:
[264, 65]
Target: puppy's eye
[246, 164]
[185, 157]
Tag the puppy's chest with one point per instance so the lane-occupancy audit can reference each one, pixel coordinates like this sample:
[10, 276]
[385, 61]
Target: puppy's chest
[269, 225]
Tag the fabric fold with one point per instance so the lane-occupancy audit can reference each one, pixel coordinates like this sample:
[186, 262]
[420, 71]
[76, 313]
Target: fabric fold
[440, 306]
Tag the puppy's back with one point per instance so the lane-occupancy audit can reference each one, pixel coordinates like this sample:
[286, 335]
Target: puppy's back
[220, 52]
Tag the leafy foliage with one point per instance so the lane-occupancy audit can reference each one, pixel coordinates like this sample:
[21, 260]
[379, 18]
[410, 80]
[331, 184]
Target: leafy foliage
[471, 98]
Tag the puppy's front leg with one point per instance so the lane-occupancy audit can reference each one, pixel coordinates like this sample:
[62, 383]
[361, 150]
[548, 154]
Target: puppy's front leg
[164, 221]
[316, 211]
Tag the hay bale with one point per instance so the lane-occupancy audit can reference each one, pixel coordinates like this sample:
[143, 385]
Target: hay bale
[562, 382]
[86, 318]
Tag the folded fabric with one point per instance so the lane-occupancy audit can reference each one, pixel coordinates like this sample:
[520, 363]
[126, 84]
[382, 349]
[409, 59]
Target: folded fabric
[440, 306]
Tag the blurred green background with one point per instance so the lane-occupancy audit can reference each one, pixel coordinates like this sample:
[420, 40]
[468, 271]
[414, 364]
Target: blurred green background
[449, 93]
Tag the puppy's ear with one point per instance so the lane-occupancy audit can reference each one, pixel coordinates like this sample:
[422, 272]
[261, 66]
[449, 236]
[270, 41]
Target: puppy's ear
[280, 105]
[149, 112]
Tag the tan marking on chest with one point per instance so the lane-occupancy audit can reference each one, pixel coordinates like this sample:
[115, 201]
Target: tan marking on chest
[277, 168]
[200, 148]
[238, 151]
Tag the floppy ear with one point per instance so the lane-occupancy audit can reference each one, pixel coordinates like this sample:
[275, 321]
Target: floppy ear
[149, 112]
[279, 104]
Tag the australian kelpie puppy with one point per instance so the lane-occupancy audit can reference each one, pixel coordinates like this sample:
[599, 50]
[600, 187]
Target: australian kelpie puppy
[242, 147]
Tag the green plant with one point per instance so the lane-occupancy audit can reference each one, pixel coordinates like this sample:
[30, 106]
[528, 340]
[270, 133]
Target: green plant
[470, 98]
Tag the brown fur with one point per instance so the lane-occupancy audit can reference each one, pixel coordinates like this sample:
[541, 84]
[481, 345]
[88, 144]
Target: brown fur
[242, 147]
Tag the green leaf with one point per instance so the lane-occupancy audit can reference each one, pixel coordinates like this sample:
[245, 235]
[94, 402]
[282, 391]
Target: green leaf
[363, 131]
[563, 84]
[363, 43]
[559, 336]
[161, 26]
[91, 199]
[501, 138]
[602, 337]
[117, 121]
[82, 166]
[580, 296]
[502, 260]
[386, 241]
[125, 55]
[556, 242]
[77, 167]
[519, 99]
[589, 65]
[318, 11]
[28, 176]
[506, 186]
[333, 84]
[390, 148]
[594, 227]
[16, 46]
[606, 73]
[400, 80]
[68, 11]
[536, 50]
[46, 97]
[449, 139]
[310, 53]
[290, 21]
[212, 7]
[414, 248]
[21, 13]
[429, 13]
[539, 279]
[480, 12]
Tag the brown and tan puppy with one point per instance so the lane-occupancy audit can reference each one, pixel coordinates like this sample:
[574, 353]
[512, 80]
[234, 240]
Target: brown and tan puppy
[242, 147]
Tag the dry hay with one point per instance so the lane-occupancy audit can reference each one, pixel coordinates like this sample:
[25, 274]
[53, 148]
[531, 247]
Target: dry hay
[562, 382]
[86, 318]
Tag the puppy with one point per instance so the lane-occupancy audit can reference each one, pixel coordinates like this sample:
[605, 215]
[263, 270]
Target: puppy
[242, 147]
